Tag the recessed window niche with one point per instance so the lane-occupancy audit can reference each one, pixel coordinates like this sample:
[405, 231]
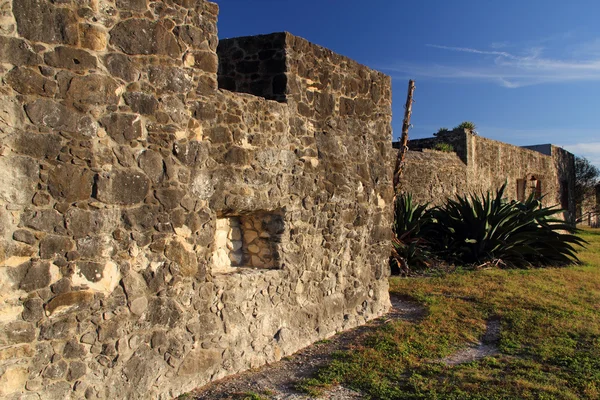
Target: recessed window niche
[247, 241]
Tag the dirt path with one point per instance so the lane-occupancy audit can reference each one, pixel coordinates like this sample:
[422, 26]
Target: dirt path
[277, 381]
[487, 346]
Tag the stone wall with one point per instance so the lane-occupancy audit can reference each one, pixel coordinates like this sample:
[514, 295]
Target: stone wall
[431, 176]
[487, 164]
[119, 161]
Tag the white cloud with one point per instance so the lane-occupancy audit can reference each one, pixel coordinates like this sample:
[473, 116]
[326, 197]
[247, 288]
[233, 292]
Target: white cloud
[510, 70]
[475, 51]
[591, 151]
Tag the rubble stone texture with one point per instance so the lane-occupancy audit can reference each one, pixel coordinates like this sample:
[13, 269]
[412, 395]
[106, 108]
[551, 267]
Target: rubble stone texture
[119, 159]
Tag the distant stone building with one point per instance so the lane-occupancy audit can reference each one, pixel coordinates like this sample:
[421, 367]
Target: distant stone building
[159, 231]
[477, 164]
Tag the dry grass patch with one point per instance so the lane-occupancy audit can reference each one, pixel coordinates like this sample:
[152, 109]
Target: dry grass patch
[549, 341]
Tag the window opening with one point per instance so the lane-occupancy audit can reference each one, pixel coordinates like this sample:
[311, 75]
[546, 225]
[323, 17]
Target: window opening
[247, 241]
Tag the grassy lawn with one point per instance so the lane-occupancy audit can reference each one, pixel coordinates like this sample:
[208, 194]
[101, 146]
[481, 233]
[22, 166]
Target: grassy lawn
[549, 342]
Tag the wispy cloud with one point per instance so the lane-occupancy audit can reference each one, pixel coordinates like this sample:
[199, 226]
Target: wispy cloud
[474, 51]
[591, 151]
[510, 69]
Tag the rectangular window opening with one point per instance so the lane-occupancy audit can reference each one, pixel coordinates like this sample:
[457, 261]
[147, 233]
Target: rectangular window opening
[521, 190]
[247, 241]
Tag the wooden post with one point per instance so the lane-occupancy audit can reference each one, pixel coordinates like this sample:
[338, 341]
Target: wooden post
[404, 138]
[401, 262]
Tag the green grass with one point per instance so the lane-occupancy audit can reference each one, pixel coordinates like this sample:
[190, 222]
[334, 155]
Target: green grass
[549, 344]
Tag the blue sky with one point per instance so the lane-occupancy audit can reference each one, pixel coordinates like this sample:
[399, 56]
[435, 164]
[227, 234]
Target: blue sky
[526, 72]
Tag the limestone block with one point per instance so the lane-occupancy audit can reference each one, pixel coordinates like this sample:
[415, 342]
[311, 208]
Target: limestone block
[37, 276]
[133, 5]
[182, 253]
[41, 21]
[56, 370]
[202, 185]
[142, 36]
[122, 187]
[221, 239]
[170, 79]
[13, 380]
[124, 67]
[249, 235]
[92, 37]
[70, 58]
[164, 311]
[77, 369]
[70, 182]
[92, 91]
[19, 332]
[38, 146]
[18, 176]
[17, 52]
[73, 350]
[42, 220]
[12, 114]
[50, 114]
[141, 103]
[122, 128]
[54, 245]
[28, 81]
[69, 302]
[138, 306]
[151, 162]
[33, 309]
[170, 198]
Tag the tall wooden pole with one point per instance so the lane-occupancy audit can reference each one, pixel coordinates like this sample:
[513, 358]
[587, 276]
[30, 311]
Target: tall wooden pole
[404, 138]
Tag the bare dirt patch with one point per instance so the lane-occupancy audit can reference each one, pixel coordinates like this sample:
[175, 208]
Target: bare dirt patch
[486, 347]
[278, 380]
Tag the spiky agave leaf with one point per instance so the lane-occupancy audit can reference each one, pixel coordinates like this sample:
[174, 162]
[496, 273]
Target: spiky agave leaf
[478, 228]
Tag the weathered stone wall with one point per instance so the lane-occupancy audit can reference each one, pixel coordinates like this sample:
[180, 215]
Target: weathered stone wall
[487, 164]
[118, 155]
[432, 176]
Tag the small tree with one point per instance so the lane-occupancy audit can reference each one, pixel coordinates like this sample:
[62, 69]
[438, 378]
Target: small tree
[587, 176]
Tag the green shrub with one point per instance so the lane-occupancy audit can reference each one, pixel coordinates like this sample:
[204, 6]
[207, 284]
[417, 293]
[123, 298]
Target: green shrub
[466, 125]
[445, 147]
[477, 229]
[441, 130]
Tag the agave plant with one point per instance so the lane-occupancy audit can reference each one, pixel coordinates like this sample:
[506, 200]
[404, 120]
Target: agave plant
[409, 247]
[477, 229]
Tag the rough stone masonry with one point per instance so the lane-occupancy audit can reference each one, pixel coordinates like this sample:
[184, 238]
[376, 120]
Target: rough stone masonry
[157, 232]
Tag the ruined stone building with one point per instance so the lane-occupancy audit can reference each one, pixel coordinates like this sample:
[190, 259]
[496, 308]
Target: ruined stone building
[163, 225]
[175, 209]
[477, 164]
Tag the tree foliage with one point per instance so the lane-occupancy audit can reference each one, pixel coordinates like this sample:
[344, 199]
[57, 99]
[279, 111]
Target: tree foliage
[587, 176]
